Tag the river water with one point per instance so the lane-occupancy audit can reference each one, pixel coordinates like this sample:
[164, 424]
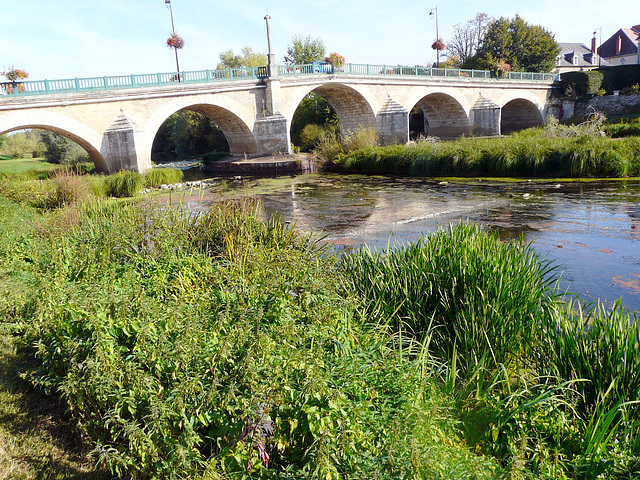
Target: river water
[590, 229]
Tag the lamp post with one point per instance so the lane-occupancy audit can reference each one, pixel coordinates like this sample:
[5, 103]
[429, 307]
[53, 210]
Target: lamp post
[173, 31]
[434, 13]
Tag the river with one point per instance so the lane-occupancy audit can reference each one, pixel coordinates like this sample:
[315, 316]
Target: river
[590, 229]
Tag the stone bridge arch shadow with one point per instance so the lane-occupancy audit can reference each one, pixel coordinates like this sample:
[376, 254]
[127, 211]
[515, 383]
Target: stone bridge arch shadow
[519, 114]
[438, 115]
[353, 110]
[75, 131]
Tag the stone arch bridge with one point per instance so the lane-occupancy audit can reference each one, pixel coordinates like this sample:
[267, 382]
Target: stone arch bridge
[115, 119]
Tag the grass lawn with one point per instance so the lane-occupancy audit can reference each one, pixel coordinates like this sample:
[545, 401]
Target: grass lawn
[21, 165]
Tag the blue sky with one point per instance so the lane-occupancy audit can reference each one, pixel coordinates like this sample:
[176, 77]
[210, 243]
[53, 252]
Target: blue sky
[66, 39]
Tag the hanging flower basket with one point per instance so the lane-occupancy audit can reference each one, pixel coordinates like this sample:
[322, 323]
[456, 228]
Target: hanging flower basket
[175, 41]
[336, 60]
[15, 74]
[502, 67]
[438, 45]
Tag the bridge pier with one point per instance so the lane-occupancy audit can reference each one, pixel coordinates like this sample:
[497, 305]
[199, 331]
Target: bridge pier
[124, 146]
[484, 118]
[272, 135]
[393, 124]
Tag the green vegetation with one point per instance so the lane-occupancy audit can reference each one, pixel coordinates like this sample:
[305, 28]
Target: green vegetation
[536, 152]
[305, 50]
[162, 176]
[188, 134]
[248, 58]
[218, 345]
[524, 47]
[313, 118]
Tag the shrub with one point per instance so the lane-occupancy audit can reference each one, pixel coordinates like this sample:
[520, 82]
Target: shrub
[311, 135]
[584, 83]
[162, 176]
[124, 184]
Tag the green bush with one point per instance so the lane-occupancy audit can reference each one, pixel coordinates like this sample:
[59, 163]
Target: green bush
[622, 76]
[162, 176]
[584, 83]
[125, 184]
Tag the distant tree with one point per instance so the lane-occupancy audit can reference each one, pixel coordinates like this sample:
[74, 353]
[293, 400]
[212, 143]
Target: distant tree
[467, 38]
[527, 48]
[187, 133]
[59, 149]
[248, 58]
[304, 50]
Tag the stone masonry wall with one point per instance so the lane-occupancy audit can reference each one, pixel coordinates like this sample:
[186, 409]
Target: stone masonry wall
[610, 105]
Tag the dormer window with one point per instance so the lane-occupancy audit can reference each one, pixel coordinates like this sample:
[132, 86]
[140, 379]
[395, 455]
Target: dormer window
[575, 59]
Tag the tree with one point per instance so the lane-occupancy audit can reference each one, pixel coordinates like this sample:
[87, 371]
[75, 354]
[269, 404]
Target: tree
[248, 58]
[527, 48]
[466, 39]
[313, 110]
[59, 149]
[188, 133]
[304, 50]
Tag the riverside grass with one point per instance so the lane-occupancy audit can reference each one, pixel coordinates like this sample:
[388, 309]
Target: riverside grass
[193, 346]
[527, 154]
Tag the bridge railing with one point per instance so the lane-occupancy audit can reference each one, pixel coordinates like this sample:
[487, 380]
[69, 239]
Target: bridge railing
[44, 87]
[408, 71]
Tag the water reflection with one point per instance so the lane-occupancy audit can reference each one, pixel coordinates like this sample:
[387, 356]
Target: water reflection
[592, 229]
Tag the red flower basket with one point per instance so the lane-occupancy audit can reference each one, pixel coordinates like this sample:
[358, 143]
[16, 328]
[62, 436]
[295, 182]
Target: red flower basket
[438, 45]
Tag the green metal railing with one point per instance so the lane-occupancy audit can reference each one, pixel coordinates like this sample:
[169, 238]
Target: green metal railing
[410, 71]
[45, 87]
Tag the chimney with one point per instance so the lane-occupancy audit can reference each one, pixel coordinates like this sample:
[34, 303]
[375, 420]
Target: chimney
[594, 49]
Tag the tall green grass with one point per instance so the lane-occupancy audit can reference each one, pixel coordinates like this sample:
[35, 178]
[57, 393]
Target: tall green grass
[471, 295]
[162, 176]
[524, 154]
[125, 184]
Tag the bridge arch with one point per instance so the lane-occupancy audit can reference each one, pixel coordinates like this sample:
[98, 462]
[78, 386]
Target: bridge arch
[353, 108]
[442, 115]
[235, 121]
[78, 132]
[519, 114]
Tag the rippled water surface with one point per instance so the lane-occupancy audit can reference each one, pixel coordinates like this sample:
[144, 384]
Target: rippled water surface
[590, 229]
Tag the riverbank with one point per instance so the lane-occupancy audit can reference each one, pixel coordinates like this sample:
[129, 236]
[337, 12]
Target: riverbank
[526, 154]
[217, 344]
